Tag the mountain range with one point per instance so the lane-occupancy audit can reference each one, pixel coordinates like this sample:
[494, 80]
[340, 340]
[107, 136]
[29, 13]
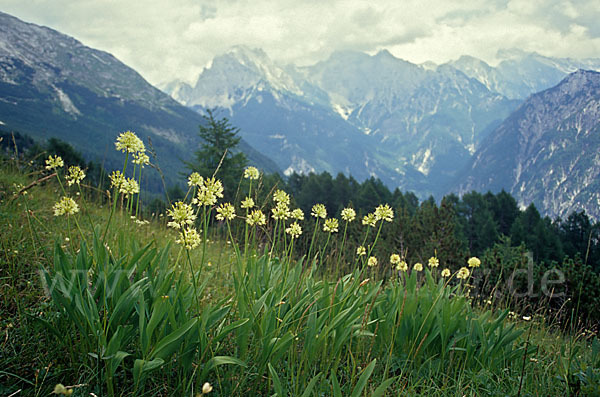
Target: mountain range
[51, 85]
[415, 127]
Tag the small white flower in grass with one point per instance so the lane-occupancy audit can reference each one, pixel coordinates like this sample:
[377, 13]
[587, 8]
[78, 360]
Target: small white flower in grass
[54, 162]
[331, 225]
[348, 214]
[66, 206]
[251, 173]
[294, 230]
[297, 214]
[446, 272]
[418, 267]
[247, 203]
[433, 262]
[402, 266]
[474, 262]
[395, 259]
[361, 251]
[372, 262]
[75, 175]
[463, 273]
[319, 211]
[206, 388]
[225, 211]
[256, 218]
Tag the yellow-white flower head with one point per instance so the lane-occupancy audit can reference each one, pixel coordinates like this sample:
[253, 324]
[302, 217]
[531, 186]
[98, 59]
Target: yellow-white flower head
[206, 388]
[256, 218]
[294, 230]
[418, 267]
[369, 220]
[297, 214]
[208, 192]
[75, 175]
[474, 262]
[66, 206]
[463, 273]
[433, 262]
[129, 142]
[225, 211]
[384, 212]
[281, 211]
[281, 197]
[251, 173]
[348, 214]
[116, 179]
[247, 203]
[446, 272]
[195, 179]
[331, 225]
[319, 211]
[182, 215]
[372, 262]
[395, 259]
[141, 158]
[402, 266]
[189, 238]
[54, 162]
[361, 251]
[129, 187]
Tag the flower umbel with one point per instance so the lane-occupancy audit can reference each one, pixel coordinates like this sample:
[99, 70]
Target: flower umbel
[402, 266]
[446, 272]
[129, 142]
[251, 173]
[331, 225]
[66, 206]
[281, 197]
[129, 187]
[116, 179]
[189, 238]
[54, 162]
[372, 262]
[256, 218]
[474, 262]
[463, 273]
[248, 202]
[361, 251]
[369, 220]
[395, 259]
[281, 211]
[348, 214]
[384, 212]
[418, 267]
[433, 262]
[195, 179]
[225, 211]
[294, 230]
[319, 211]
[182, 215]
[297, 214]
[75, 175]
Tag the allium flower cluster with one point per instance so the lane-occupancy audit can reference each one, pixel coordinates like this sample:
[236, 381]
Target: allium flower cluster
[116, 179]
[54, 162]
[247, 203]
[195, 179]
[297, 214]
[251, 173]
[182, 215]
[384, 212]
[331, 225]
[141, 158]
[348, 214]
[129, 142]
[463, 273]
[395, 259]
[281, 211]
[418, 267]
[433, 262]
[225, 211]
[294, 230]
[256, 218]
[319, 211]
[129, 187]
[189, 238]
[372, 262]
[75, 175]
[446, 272]
[209, 191]
[474, 262]
[369, 220]
[402, 266]
[281, 197]
[361, 251]
[66, 206]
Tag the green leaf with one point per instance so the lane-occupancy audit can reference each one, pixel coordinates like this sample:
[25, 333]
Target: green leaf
[218, 361]
[168, 344]
[362, 381]
[383, 387]
[311, 385]
[276, 381]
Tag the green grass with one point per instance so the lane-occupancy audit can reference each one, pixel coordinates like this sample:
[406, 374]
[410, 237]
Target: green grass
[134, 315]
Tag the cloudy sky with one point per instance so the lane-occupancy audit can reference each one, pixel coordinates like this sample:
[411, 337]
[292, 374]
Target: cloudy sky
[164, 40]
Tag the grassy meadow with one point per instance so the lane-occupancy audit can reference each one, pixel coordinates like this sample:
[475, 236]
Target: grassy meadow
[209, 297]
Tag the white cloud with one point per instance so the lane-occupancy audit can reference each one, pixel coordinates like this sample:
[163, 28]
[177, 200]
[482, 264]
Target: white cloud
[175, 39]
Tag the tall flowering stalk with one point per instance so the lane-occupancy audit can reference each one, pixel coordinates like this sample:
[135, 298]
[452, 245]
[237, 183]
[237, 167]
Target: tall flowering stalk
[319, 212]
[348, 215]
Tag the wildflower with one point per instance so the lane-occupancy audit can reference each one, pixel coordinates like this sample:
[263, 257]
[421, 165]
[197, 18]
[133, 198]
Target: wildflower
[297, 214]
[251, 173]
[189, 238]
[206, 388]
[463, 273]
[61, 389]
[141, 158]
[116, 179]
[209, 190]
[395, 259]
[256, 218]
[225, 212]
[281, 211]
[75, 175]
[214, 186]
[402, 266]
[474, 262]
[348, 214]
[527, 318]
[372, 262]
[418, 267]
[369, 220]
[195, 179]
[446, 272]
[361, 251]
[294, 230]
[66, 206]
[433, 262]
[54, 162]
[384, 212]
[247, 203]
[129, 142]
[319, 211]
[331, 225]
[182, 215]
[129, 186]
[281, 197]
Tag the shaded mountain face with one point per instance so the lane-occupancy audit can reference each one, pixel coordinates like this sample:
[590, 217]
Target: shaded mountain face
[380, 116]
[548, 151]
[51, 85]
